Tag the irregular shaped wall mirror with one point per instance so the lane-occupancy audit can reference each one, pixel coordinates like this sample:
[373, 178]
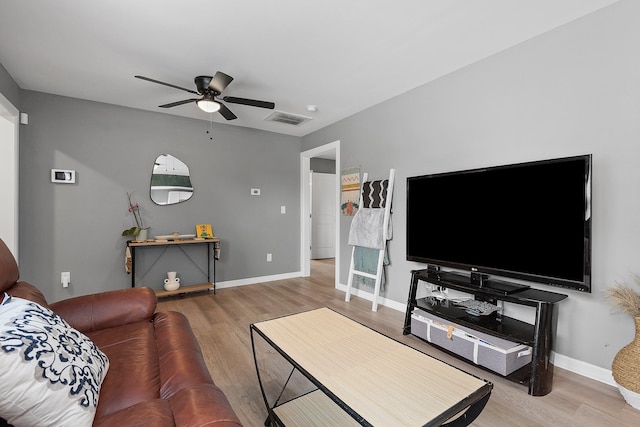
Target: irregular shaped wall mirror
[170, 181]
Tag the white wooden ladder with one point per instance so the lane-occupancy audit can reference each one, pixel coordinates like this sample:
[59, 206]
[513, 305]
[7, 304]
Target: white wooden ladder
[381, 252]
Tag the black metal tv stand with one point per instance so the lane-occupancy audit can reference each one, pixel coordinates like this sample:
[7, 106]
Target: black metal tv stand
[538, 375]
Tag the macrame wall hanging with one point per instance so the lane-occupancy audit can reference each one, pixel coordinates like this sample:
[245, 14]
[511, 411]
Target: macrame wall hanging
[350, 190]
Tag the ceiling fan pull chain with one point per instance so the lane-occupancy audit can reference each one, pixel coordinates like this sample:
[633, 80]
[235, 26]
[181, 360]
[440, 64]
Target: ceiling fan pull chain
[210, 130]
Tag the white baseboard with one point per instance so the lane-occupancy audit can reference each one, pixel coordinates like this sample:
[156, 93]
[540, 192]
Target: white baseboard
[583, 368]
[254, 280]
[561, 361]
[369, 296]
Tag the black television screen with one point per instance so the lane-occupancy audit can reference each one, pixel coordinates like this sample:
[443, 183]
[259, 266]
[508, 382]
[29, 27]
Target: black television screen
[529, 221]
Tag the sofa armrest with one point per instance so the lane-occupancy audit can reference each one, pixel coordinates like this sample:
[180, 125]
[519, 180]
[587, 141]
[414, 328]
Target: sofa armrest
[29, 292]
[109, 309]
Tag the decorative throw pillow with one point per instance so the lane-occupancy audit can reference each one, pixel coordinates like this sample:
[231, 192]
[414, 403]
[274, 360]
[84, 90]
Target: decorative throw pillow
[374, 194]
[50, 373]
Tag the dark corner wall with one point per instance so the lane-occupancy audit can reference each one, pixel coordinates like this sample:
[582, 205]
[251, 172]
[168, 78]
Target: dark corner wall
[8, 87]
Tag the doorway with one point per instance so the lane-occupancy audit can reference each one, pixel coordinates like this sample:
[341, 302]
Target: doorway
[9, 191]
[327, 151]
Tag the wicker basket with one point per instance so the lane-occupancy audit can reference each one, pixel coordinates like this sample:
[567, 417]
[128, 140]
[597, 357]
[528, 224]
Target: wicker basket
[626, 367]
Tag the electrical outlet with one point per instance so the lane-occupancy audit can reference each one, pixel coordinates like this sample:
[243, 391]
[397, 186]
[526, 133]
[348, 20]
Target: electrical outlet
[268, 257]
[255, 191]
[283, 209]
[65, 278]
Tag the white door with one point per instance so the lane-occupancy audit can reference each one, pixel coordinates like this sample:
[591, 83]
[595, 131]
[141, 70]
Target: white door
[323, 215]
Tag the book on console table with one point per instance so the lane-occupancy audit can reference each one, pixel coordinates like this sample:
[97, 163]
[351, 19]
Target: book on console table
[204, 231]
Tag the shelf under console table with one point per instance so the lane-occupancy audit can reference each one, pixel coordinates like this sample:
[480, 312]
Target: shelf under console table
[540, 336]
[183, 289]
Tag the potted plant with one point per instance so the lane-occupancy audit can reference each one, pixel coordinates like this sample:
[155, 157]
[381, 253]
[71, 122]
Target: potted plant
[626, 364]
[138, 231]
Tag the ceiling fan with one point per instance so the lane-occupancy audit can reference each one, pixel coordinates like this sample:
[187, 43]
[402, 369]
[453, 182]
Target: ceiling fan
[210, 88]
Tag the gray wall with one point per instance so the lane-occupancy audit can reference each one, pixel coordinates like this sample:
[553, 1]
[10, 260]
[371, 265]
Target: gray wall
[76, 227]
[571, 91]
[322, 165]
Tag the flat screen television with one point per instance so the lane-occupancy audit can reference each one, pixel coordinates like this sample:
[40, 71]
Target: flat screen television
[528, 221]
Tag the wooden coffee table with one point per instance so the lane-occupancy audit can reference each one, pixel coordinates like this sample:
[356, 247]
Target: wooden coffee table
[329, 370]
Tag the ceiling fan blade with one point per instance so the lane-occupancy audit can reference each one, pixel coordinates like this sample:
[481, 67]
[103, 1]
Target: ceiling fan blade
[166, 84]
[251, 102]
[220, 81]
[226, 113]
[175, 104]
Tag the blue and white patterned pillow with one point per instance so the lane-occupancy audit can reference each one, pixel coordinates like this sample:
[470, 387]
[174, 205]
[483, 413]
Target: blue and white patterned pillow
[50, 373]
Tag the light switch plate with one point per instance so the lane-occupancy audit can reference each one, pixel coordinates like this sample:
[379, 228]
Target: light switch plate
[63, 176]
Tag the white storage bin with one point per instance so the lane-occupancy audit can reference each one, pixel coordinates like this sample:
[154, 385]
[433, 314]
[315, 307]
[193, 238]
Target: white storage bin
[498, 354]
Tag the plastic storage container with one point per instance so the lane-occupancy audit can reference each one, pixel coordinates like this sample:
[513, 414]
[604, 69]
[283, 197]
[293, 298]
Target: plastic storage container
[499, 355]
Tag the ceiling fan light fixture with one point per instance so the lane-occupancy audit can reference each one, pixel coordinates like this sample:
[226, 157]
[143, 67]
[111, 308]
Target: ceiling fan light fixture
[209, 88]
[208, 105]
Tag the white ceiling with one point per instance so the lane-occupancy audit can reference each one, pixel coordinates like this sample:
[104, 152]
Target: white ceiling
[341, 55]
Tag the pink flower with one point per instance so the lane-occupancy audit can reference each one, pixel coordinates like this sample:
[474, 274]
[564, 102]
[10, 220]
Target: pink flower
[135, 210]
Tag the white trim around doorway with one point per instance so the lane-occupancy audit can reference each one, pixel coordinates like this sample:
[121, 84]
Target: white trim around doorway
[305, 201]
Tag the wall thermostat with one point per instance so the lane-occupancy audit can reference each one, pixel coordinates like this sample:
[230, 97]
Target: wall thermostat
[63, 176]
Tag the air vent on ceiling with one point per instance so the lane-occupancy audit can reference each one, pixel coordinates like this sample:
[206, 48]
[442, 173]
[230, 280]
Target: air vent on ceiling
[287, 118]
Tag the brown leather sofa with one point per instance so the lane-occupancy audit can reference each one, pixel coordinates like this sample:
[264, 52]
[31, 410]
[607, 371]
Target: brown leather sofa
[157, 375]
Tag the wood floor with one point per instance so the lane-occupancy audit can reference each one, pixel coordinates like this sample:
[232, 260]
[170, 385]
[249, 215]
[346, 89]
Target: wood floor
[221, 324]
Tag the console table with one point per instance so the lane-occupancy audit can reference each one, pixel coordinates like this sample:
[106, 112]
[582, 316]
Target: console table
[319, 368]
[540, 336]
[210, 285]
